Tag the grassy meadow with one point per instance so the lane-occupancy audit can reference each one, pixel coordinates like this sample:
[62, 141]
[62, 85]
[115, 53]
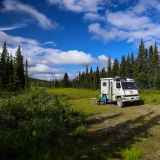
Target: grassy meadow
[65, 124]
[128, 133]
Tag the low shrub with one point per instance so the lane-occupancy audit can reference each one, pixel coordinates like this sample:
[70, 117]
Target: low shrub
[32, 123]
[81, 131]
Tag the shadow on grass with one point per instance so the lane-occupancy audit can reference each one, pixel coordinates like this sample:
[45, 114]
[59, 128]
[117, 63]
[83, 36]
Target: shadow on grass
[109, 142]
[102, 119]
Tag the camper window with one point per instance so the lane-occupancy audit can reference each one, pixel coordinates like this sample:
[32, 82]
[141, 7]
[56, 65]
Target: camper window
[118, 85]
[104, 84]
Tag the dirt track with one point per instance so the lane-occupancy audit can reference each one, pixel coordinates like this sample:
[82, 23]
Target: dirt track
[123, 127]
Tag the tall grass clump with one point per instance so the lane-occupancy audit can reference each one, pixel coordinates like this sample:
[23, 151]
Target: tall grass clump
[150, 96]
[32, 124]
[132, 154]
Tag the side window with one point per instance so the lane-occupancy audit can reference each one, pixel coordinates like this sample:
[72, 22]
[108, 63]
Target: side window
[118, 85]
[104, 84]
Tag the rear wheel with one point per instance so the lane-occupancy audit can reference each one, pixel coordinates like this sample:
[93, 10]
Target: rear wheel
[119, 102]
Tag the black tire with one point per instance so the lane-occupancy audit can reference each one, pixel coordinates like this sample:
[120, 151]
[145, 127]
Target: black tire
[119, 102]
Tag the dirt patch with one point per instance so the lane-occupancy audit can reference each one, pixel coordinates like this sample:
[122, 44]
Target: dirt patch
[136, 125]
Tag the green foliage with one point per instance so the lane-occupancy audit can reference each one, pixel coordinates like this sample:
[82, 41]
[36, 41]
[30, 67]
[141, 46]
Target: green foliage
[81, 131]
[12, 74]
[150, 96]
[32, 122]
[132, 154]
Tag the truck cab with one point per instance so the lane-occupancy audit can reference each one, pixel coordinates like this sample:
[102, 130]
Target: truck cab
[119, 90]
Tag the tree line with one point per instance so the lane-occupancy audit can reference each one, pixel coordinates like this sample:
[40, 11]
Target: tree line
[13, 72]
[145, 69]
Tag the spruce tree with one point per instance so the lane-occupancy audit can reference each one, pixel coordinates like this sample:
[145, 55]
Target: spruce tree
[26, 75]
[97, 78]
[4, 59]
[128, 66]
[156, 66]
[11, 76]
[132, 65]
[115, 69]
[109, 67]
[66, 81]
[141, 67]
[122, 69]
[19, 73]
[91, 79]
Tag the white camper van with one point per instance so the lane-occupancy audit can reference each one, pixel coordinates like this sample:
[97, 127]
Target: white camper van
[119, 90]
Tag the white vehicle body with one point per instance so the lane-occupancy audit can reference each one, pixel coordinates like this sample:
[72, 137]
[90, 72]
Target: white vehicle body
[119, 89]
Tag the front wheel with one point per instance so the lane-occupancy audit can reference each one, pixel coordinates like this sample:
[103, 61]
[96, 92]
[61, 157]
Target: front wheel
[119, 102]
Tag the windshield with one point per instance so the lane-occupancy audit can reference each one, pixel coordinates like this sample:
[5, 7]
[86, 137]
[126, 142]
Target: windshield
[128, 85]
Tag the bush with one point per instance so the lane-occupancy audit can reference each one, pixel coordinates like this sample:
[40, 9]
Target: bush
[31, 123]
[131, 154]
[81, 131]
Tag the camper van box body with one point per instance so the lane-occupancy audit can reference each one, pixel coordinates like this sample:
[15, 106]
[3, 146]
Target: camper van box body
[123, 89]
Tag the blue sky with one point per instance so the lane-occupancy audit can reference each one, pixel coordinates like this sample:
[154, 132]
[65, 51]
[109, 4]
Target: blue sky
[60, 36]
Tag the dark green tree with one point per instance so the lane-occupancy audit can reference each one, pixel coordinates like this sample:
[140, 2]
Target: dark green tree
[140, 72]
[19, 73]
[66, 81]
[109, 67]
[4, 67]
[122, 70]
[97, 78]
[26, 75]
[115, 69]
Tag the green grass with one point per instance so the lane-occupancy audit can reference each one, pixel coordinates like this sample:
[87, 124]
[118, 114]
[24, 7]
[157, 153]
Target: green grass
[150, 96]
[81, 99]
[73, 93]
[132, 154]
[81, 131]
[112, 132]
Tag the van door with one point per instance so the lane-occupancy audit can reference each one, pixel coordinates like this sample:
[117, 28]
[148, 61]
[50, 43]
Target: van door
[118, 88]
[110, 90]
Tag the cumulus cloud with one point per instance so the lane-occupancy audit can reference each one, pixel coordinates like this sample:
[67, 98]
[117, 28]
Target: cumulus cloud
[128, 20]
[41, 68]
[103, 58]
[17, 6]
[47, 76]
[16, 40]
[79, 6]
[130, 25]
[46, 62]
[69, 57]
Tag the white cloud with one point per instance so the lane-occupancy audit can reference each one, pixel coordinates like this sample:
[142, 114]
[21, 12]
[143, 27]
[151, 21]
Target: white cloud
[128, 20]
[50, 43]
[143, 6]
[17, 6]
[91, 16]
[16, 40]
[69, 57]
[130, 25]
[79, 5]
[41, 68]
[107, 35]
[44, 61]
[103, 58]
[47, 76]
[13, 27]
